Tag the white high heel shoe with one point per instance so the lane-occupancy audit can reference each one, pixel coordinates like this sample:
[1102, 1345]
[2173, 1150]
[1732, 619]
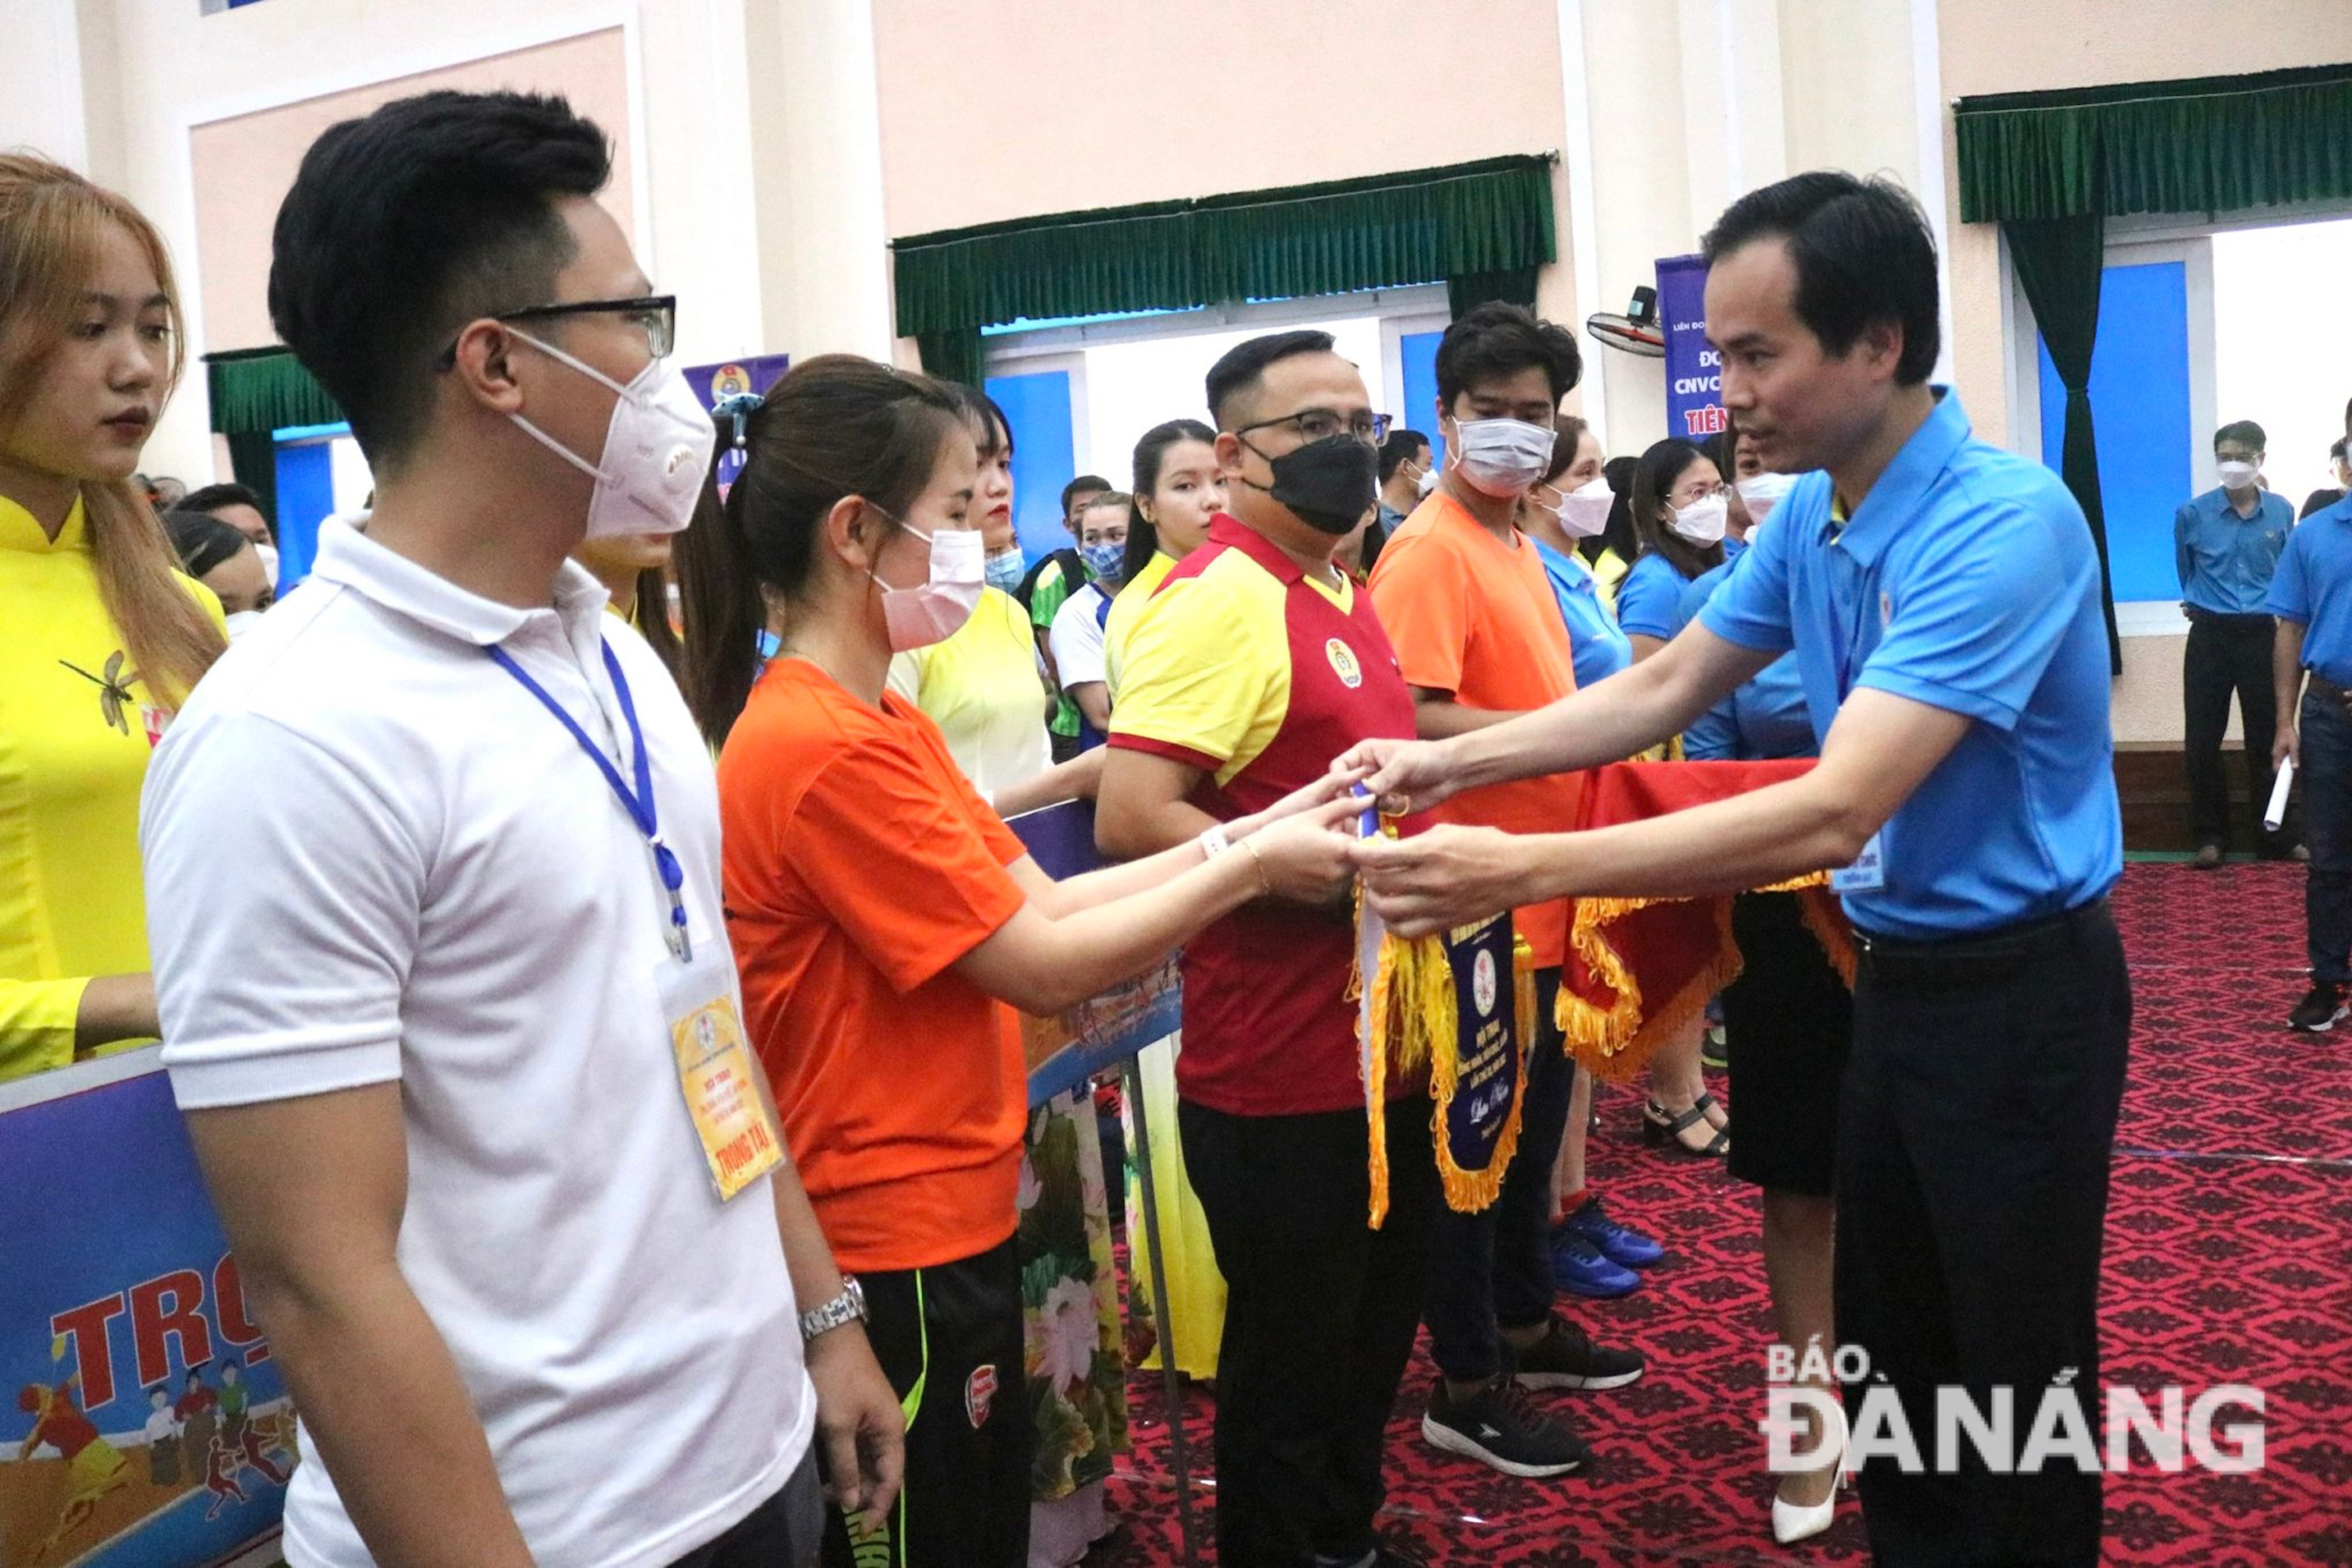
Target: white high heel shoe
[1792, 1522]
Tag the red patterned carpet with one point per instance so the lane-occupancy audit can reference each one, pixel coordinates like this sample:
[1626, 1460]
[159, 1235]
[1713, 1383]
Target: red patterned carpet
[2229, 1260]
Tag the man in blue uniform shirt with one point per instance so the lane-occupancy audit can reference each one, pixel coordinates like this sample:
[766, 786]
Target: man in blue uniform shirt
[1941, 596]
[2311, 594]
[2225, 544]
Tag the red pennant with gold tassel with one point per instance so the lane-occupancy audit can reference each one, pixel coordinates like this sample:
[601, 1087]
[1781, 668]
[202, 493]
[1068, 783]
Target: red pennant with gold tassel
[1638, 970]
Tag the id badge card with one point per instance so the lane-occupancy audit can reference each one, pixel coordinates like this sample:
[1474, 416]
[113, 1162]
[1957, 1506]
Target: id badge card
[740, 1139]
[1866, 874]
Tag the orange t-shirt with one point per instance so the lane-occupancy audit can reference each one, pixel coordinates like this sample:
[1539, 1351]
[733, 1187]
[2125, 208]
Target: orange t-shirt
[860, 867]
[1471, 615]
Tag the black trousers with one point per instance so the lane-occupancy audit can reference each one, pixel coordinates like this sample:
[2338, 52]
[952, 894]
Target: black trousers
[1320, 1311]
[2326, 783]
[2228, 654]
[1976, 1128]
[954, 1333]
[1491, 1270]
[782, 1532]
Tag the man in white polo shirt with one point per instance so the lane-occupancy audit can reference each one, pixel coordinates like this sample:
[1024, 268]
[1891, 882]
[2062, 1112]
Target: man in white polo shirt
[451, 1012]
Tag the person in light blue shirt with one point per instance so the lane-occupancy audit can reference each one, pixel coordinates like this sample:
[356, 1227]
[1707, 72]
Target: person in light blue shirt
[2311, 595]
[2225, 544]
[1681, 514]
[1941, 597]
[1557, 520]
[1766, 718]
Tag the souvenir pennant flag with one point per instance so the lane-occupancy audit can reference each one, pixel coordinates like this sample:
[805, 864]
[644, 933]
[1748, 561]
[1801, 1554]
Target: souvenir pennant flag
[1461, 1008]
[1640, 969]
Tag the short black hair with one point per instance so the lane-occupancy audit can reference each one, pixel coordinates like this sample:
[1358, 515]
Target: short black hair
[2338, 449]
[2245, 432]
[1079, 486]
[203, 540]
[403, 226]
[1863, 254]
[1243, 365]
[991, 431]
[1398, 450]
[213, 496]
[1499, 339]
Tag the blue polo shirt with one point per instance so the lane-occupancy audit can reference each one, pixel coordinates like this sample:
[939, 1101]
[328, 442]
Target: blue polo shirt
[1763, 719]
[1597, 643]
[1649, 601]
[2313, 585]
[2225, 561]
[1966, 581]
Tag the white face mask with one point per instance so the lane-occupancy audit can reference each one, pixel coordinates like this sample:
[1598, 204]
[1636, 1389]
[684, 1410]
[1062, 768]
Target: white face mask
[656, 450]
[1501, 457]
[240, 622]
[936, 609]
[1702, 522]
[1584, 511]
[1427, 482]
[2237, 475]
[1759, 493]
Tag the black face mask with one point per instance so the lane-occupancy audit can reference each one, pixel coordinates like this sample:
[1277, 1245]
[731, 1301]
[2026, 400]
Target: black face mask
[1328, 484]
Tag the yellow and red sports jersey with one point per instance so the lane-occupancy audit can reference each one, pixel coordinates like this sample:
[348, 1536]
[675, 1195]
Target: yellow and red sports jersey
[1258, 674]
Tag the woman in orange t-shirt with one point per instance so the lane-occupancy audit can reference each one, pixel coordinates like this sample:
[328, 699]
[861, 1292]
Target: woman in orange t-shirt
[883, 916]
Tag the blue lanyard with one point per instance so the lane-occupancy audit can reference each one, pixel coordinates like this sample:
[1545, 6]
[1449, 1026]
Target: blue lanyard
[640, 803]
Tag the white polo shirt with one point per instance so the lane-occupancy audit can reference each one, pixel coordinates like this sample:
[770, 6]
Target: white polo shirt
[373, 856]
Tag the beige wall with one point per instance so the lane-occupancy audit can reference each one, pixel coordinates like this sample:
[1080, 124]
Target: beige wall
[1006, 109]
[244, 165]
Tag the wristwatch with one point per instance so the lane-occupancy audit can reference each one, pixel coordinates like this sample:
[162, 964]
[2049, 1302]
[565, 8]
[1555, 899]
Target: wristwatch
[849, 1307]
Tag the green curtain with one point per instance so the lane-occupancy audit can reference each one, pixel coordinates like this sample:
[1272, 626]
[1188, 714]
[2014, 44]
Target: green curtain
[954, 356]
[2214, 144]
[1420, 226]
[253, 460]
[265, 390]
[2060, 263]
[1465, 292]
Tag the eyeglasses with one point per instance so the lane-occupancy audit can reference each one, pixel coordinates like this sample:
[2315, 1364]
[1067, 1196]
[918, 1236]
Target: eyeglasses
[657, 313]
[1315, 425]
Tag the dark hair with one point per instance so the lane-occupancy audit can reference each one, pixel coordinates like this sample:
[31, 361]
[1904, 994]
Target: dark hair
[1618, 533]
[1567, 435]
[403, 226]
[2338, 448]
[2245, 432]
[834, 426]
[213, 496]
[203, 540]
[1662, 467]
[991, 431]
[1142, 535]
[1398, 450]
[1243, 365]
[652, 619]
[1862, 252]
[1499, 339]
[1078, 486]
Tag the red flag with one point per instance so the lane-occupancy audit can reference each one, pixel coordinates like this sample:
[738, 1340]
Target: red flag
[1640, 969]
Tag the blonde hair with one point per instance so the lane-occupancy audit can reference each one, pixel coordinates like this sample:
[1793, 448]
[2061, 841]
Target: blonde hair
[52, 222]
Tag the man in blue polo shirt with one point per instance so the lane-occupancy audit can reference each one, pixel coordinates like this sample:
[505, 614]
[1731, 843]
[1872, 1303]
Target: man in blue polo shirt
[2225, 544]
[1942, 598]
[2311, 594]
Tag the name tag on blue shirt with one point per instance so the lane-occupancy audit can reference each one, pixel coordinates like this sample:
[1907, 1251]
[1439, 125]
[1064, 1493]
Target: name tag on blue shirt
[1866, 874]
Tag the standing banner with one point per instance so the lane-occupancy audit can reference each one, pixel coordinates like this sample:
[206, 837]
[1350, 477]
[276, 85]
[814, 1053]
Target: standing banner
[732, 378]
[1103, 1031]
[143, 1424]
[1694, 370]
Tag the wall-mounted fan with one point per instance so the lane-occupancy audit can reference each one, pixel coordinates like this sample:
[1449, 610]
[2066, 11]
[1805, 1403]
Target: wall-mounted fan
[1637, 330]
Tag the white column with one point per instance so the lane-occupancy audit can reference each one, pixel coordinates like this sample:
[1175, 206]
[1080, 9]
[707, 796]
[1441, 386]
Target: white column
[1576, 152]
[41, 104]
[1927, 93]
[816, 153]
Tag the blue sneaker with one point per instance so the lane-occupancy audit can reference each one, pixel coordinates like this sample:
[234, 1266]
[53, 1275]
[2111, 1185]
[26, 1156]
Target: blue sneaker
[1579, 1269]
[1626, 1249]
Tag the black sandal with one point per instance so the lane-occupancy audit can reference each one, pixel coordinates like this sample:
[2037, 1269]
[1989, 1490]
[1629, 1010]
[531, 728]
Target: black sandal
[1659, 1127]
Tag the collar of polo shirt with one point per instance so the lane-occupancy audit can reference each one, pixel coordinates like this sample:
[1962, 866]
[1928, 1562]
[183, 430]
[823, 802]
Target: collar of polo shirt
[1904, 483]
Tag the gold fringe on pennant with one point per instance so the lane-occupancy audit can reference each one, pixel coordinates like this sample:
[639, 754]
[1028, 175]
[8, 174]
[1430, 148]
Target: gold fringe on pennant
[1470, 1192]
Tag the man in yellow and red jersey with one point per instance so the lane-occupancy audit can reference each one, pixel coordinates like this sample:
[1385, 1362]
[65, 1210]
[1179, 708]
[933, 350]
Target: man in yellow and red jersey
[1257, 660]
[1479, 638]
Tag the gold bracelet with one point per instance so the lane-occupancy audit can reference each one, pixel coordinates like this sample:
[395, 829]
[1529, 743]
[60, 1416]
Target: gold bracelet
[1264, 884]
